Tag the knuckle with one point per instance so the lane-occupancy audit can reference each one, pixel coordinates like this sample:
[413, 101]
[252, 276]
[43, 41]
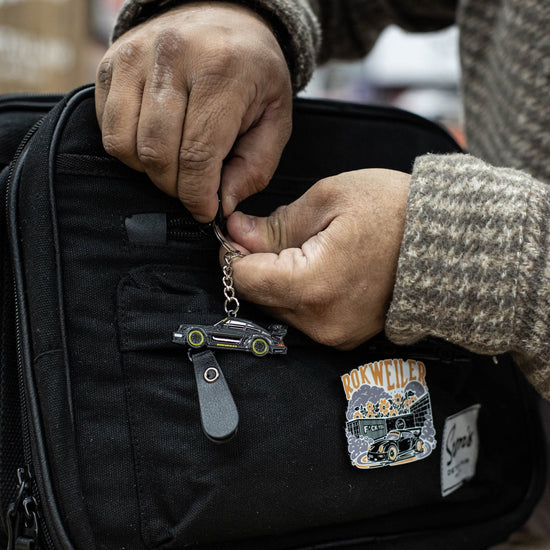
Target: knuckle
[277, 227]
[116, 145]
[169, 50]
[129, 54]
[327, 191]
[325, 186]
[272, 64]
[104, 74]
[152, 155]
[260, 285]
[219, 63]
[195, 157]
[169, 45]
[225, 52]
[276, 63]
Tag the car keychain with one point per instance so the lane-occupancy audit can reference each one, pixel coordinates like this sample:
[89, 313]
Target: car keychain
[219, 415]
[232, 332]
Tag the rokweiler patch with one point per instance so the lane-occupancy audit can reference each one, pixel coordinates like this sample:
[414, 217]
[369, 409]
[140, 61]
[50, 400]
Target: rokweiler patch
[389, 415]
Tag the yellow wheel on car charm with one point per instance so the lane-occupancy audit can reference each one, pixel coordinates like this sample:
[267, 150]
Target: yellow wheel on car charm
[196, 338]
[259, 347]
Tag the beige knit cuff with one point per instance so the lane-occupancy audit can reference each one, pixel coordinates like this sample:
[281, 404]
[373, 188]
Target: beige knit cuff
[457, 277]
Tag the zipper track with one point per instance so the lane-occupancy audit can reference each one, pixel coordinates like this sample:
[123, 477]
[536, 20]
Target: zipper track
[18, 344]
[52, 534]
[184, 228]
[25, 422]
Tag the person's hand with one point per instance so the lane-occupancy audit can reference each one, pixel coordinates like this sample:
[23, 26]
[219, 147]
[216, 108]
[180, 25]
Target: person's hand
[326, 263]
[196, 86]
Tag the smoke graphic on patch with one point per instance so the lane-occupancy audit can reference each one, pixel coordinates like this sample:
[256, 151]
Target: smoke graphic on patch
[389, 417]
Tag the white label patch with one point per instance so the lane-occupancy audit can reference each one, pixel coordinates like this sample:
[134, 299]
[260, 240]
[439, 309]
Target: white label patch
[459, 450]
[389, 415]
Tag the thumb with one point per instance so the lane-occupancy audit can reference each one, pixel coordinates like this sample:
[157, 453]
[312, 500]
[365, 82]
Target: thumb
[282, 281]
[288, 227]
[270, 280]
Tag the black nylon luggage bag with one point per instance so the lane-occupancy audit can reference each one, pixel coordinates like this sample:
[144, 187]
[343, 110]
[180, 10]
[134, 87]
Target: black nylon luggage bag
[381, 447]
[19, 113]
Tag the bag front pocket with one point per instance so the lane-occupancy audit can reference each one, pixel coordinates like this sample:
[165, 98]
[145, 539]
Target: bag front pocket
[287, 470]
[263, 481]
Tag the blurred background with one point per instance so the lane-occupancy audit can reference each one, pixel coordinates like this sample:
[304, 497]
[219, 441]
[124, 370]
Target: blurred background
[55, 45]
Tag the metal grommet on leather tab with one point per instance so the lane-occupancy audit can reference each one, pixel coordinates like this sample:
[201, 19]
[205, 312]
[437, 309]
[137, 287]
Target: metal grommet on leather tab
[211, 374]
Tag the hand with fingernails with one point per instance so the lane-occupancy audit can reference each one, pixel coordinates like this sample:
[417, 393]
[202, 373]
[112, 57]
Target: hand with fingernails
[200, 99]
[326, 263]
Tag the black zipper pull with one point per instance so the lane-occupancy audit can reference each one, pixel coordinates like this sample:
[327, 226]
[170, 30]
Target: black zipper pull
[219, 415]
[22, 516]
[161, 228]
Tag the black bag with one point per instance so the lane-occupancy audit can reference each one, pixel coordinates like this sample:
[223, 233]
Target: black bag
[381, 447]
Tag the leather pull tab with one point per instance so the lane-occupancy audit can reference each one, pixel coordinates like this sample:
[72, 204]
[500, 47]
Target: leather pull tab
[219, 415]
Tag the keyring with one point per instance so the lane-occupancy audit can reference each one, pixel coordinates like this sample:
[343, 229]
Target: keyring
[219, 235]
[223, 240]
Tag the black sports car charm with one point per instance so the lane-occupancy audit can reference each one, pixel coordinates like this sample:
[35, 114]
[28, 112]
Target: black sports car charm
[233, 333]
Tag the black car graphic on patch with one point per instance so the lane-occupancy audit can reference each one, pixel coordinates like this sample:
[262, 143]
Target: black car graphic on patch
[396, 445]
[233, 333]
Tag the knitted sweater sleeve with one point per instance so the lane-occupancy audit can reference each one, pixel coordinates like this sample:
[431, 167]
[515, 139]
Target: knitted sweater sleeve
[475, 253]
[348, 29]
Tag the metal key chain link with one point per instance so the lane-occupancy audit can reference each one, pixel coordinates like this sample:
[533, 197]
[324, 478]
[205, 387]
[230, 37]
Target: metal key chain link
[228, 289]
[231, 303]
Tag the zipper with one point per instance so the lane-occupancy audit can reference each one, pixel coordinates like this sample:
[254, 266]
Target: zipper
[161, 228]
[22, 516]
[18, 343]
[23, 519]
[184, 228]
[11, 415]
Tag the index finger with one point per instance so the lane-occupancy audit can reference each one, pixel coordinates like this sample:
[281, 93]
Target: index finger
[211, 127]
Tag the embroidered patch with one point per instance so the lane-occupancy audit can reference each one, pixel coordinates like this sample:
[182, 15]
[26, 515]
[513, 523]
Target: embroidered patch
[460, 449]
[389, 415]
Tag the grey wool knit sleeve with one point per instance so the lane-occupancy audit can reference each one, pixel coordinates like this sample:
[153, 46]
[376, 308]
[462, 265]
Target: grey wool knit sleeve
[474, 265]
[476, 249]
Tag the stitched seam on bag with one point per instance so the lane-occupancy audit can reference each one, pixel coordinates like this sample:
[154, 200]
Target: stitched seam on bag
[147, 528]
[47, 352]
